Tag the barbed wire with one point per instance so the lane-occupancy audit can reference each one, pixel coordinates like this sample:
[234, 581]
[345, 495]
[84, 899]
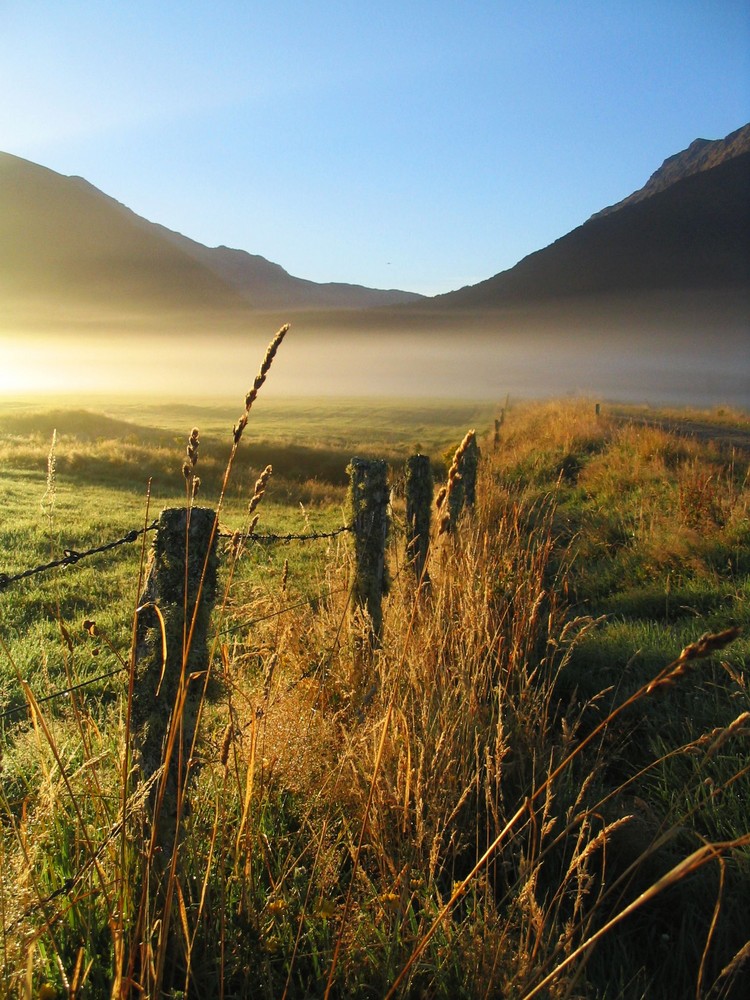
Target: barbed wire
[290, 537]
[72, 556]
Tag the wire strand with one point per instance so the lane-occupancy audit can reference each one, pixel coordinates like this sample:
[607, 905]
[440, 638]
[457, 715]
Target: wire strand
[72, 556]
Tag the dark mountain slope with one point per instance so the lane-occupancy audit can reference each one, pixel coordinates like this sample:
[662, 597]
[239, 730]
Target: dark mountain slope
[701, 154]
[268, 286]
[691, 235]
[63, 241]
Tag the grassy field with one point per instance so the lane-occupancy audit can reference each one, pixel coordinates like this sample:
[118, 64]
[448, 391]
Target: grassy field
[509, 796]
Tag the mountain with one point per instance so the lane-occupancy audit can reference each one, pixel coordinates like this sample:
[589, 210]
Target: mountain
[647, 300]
[685, 230]
[701, 154]
[675, 252]
[69, 250]
[268, 286]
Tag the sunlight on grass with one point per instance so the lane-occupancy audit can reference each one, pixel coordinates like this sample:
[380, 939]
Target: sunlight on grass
[511, 793]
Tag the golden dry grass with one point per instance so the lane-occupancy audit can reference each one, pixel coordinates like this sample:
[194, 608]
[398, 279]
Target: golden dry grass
[439, 817]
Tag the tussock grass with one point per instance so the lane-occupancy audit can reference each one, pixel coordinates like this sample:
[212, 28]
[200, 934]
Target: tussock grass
[525, 790]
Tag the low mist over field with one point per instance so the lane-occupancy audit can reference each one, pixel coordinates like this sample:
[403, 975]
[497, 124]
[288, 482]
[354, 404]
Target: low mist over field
[609, 348]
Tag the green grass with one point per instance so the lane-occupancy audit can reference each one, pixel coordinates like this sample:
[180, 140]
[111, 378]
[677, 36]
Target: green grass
[341, 804]
[332, 422]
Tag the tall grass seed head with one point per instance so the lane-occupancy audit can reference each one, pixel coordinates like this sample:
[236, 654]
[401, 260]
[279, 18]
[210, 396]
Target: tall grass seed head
[260, 488]
[192, 446]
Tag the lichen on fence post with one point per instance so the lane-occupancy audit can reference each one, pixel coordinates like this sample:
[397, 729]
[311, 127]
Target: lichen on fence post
[418, 489]
[368, 503]
[172, 637]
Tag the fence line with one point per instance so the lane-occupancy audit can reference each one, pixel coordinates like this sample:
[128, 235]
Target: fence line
[248, 623]
[290, 537]
[72, 556]
[369, 498]
[60, 694]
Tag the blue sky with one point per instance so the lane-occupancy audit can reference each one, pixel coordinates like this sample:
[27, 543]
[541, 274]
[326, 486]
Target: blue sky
[394, 144]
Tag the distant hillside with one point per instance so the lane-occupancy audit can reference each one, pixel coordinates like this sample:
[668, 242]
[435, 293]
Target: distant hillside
[687, 229]
[268, 286]
[67, 247]
[69, 250]
[675, 251]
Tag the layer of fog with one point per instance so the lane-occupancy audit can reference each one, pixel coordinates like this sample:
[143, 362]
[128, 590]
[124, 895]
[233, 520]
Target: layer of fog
[663, 350]
[646, 369]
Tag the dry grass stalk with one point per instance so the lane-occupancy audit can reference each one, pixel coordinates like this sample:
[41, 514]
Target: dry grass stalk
[188, 467]
[689, 865]
[733, 968]
[171, 884]
[703, 647]
[260, 489]
[260, 378]
[226, 744]
[47, 502]
[599, 841]
[738, 727]
[443, 499]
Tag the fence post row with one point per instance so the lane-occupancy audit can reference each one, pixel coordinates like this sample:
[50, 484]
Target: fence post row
[158, 682]
[172, 586]
[418, 490]
[368, 502]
